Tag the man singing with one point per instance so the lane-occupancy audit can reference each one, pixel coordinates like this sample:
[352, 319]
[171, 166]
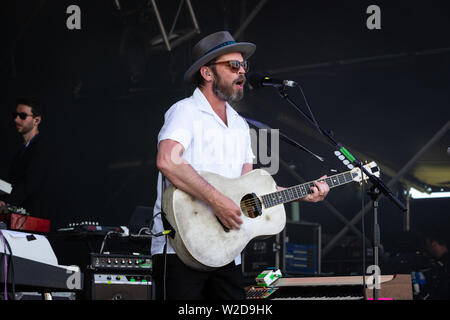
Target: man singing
[204, 133]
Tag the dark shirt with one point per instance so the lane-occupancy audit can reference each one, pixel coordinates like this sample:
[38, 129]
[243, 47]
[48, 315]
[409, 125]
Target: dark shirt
[28, 175]
[438, 278]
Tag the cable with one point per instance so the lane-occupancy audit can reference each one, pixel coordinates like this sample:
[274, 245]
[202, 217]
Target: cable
[149, 229]
[5, 267]
[12, 277]
[11, 262]
[316, 124]
[104, 240]
[146, 229]
[164, 270]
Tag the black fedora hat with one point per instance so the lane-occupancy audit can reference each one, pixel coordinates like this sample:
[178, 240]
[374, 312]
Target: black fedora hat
[214, 45]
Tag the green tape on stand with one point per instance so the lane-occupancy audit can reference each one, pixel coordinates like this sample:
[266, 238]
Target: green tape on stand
[347, 154]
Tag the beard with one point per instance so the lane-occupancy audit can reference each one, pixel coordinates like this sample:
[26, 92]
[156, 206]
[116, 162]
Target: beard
[226, 92]
[25, 129]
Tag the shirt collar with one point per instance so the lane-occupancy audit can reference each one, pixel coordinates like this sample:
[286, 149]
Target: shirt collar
[31, 140]
[204, 105]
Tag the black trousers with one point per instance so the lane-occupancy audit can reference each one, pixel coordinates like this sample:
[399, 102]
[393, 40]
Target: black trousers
[185, 283]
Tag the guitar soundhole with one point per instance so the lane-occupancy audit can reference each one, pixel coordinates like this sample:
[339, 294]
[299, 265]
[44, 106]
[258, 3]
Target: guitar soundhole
[251, 205]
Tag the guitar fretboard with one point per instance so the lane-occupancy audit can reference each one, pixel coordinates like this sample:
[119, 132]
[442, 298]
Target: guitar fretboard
[302, 190]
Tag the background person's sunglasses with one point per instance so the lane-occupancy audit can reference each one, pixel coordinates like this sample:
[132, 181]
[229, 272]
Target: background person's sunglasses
[22, 115]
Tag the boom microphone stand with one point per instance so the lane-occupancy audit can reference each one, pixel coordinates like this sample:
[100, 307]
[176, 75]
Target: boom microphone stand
[375, 191]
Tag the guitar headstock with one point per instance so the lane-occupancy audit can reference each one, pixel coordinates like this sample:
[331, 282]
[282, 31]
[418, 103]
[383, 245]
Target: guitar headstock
[371, 167]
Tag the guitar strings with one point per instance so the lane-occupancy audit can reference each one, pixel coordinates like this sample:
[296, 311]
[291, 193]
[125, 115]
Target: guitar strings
[252, 202]
[308, 184]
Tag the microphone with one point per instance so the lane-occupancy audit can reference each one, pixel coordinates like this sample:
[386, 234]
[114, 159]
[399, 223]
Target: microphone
[259, 81]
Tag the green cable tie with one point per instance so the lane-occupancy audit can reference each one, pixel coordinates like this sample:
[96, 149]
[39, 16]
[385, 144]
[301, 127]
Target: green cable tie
[347, 154]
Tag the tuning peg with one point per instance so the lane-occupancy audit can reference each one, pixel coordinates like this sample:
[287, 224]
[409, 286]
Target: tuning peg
[337, 153]
[346, 162]
[350, 166]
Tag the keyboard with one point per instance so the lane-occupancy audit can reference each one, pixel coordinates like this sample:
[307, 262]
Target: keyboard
[395, 287]
[35, 265]
[342, 292]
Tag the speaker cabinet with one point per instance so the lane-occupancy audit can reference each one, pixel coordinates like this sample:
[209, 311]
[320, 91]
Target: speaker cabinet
[121, 287]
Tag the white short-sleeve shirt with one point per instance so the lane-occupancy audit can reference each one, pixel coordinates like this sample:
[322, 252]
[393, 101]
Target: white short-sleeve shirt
[209, 145]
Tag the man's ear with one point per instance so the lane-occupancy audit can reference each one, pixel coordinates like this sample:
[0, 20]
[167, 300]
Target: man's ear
[206, 73]
[37, 120]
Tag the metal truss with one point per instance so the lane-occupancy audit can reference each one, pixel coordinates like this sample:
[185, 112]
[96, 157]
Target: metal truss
[172, 39]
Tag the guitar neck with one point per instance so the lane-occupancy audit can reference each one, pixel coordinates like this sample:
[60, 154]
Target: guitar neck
[302, 190]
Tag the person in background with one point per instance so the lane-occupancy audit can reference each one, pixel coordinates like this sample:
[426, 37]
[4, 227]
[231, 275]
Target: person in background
[438, 274]
[28, 172]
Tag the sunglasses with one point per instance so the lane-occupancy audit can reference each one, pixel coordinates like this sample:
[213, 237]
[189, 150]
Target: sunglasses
[22, 115]
[235, 65]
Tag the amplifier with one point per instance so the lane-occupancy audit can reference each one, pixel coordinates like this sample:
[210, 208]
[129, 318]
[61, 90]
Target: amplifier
[301, 250]
[113, 286]
[121, 263]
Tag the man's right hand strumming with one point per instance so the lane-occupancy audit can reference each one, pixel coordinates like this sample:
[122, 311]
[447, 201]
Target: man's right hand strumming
[227, 211]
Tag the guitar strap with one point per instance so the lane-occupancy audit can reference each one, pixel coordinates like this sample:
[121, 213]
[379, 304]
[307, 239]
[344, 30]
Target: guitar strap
[166, 224]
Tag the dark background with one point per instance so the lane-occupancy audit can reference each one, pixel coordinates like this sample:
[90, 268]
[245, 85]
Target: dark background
[384, 93]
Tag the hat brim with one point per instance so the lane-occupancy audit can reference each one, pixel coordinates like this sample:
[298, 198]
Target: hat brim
[246, 48]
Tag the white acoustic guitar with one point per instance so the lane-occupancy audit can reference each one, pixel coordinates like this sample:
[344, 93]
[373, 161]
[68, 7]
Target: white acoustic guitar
[203, 243]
